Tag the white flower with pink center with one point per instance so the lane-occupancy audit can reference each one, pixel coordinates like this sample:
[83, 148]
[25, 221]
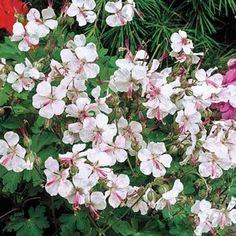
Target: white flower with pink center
[188, 122]
[118, 189]
[27, 40]
[23, 77]
[12, 153]
[180, 42]
[214, 160]
[208, 84]
[96, 164]
[74, 157]
[116, 150]
[120, 14]
[203, 210]
[224, 217]
[57, 180]
[97, 130]
[154, 160]
[49, 100]
[134, 201]
[41, 26]
[80, 110]
[95, 202]
[159, 93]
[77, 195]
[131, 132]
[100, 103]
[83, 10]
[170, 198]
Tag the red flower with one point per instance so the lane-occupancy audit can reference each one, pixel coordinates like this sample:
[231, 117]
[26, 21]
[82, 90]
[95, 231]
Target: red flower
[8, 11]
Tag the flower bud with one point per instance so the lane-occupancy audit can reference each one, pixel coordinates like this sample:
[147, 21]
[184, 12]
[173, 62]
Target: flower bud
[30, 157]
[27, 142]
[152, 196]
[189, 92]
[202, 193]
[173, 150]
[20, 18]
[163, 188]
[74, 170]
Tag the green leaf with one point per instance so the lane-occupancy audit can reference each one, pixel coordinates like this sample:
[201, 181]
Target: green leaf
[33, 176]
[4, 91]
[12, 123]
[67, 224]
[121, 227]
[10, 181]
[42, 140]
[9, 50]
[34, 225]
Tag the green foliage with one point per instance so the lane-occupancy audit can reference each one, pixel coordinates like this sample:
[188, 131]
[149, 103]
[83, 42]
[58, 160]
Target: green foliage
[33, 225]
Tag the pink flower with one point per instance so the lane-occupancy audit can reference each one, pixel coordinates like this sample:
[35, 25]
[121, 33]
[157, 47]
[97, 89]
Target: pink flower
[230, 77]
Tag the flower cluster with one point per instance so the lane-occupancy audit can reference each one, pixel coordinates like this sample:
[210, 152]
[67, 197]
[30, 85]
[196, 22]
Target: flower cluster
[37, 26]
[210, 218]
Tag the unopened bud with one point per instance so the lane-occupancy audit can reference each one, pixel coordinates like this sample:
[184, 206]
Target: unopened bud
[20, 18]
[74, 170]
[163, 188]
[30, 157]
[27, 142]
[151, 196]
[189, 92]
[173, 150]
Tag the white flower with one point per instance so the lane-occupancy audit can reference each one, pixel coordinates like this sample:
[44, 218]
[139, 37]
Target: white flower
[81, 109]
[73, 158]
[41, 26]
[203, 210]
[115, 150]
[57, 182]
[100, 103]
[188, 122]
[69, 137]
[83, 10]
[120, 14]
[96, 202]
[49, 100]
[26, 38]
[82, 186]
[76, 89]
[208, 84]
[132, 134]
[214, 159]
[23, 77]
[137, 203]
[118, 189]
[153, 160]
[179, 42]
[158, 93]
[98, 161]
[79, 41]
[12, 153]
[97, 130]
[169, 198]
[125, 80]
[87, 56]
[224, 217]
